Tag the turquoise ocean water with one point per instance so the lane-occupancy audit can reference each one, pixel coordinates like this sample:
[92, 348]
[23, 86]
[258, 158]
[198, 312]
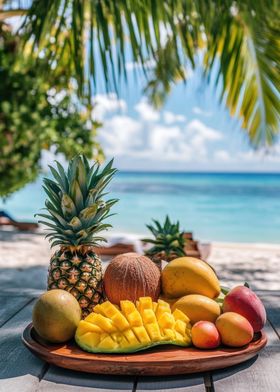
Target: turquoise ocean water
[215, 206]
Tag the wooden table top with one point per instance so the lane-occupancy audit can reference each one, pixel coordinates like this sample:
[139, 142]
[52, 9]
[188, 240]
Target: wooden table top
[20, 371]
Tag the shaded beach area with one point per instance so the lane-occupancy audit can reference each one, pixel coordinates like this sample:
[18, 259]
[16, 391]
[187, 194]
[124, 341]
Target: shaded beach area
[24, 260]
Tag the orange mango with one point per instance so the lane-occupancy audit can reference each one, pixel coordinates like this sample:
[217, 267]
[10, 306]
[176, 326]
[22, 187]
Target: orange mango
[235, 330]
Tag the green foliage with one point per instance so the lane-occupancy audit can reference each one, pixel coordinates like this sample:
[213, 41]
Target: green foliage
[36, 113]
[168, 239]
[75, 206]
[241, 40]
[241, 35]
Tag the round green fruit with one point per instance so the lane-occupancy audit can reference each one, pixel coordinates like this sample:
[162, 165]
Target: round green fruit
[56, 316]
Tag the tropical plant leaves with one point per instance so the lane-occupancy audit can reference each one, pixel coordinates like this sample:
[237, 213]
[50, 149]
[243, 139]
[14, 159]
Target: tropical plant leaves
[248, 51]
[242, 37]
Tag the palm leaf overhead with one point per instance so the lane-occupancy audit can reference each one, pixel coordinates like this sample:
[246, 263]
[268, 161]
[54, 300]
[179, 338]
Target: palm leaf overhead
[248, 49]
[242, 37]
[242, 44]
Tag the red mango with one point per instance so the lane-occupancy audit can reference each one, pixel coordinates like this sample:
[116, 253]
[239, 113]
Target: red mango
[244, 301]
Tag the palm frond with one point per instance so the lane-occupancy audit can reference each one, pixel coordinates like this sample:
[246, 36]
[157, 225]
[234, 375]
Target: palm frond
[242, 37]
[248, 51]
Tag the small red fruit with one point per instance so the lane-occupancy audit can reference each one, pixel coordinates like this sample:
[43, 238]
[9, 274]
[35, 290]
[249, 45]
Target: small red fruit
[205, 335]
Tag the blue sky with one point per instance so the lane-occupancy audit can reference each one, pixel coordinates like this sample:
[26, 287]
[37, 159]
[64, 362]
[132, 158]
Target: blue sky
[192, 132]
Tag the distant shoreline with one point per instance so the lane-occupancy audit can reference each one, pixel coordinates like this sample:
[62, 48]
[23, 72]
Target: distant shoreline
[273, 246]
[213, 172]
[230, 207]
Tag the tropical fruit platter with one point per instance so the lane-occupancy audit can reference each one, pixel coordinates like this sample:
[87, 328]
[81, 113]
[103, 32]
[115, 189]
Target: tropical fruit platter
[156, 313]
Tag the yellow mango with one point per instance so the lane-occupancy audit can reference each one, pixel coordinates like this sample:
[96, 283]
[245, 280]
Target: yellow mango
[166, 320]
[149, 316]
[107, 309]
[135, 319]
[197, 308]
[105, 323]
[88, 327]
[179, 315]
[144, 303]
[107, 343]
[127, 307]
[153, 331]
[132, 328]
[91, 338]
[142, 334]
[180, 326]
[130, 336]
[120, 321]
[188, 275]
[169, 333]
[163, 307]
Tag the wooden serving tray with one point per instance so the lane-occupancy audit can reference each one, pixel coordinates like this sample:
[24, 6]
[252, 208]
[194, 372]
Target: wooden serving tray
[161, 360]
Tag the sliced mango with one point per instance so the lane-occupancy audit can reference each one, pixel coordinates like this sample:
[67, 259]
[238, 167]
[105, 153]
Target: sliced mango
[91, 339]
[179, 315]
[149, 316]
[130, 328]
[135, 319]
[130, 337]
[120, 321]
[89, 327]
[154, 332]
[108, 343]
[142, 334]
[166, 320]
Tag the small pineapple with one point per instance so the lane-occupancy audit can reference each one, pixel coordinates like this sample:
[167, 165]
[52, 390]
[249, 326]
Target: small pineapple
[75, 214]
[168, 243]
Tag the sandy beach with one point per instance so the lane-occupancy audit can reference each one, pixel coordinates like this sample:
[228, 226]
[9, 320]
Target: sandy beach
[24, 260]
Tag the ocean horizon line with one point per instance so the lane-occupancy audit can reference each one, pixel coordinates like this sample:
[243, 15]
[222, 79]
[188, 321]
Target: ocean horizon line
[191, 172]
[196, 172]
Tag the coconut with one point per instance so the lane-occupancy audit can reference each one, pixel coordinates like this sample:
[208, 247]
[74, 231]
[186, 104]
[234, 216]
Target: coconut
[130, 276]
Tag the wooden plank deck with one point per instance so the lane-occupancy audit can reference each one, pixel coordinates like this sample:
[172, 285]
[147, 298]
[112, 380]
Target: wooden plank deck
[20, 371]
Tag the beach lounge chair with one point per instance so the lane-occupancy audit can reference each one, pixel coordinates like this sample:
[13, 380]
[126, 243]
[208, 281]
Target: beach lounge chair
[120, 243]
[7, 220]
[114, 250]
[191, 246]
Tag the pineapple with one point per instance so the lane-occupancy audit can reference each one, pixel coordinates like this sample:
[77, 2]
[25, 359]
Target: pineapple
[75, 214]
[168, 242]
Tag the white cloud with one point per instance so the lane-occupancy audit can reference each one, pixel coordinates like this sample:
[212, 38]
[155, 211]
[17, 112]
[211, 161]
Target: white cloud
[150, 137]
[170, 117]
[153, 141]
[165, 144]
[199, 128]
[146, 111]
[48, 157]
[164, 139]
[107, 103]
[222, 155]
[201, 112]
[120, 134]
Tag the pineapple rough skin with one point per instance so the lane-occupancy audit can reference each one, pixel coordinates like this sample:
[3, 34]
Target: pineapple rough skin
[80, 274]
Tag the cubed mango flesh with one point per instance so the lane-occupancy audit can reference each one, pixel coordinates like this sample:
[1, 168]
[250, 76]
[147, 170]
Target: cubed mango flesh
[131, 327]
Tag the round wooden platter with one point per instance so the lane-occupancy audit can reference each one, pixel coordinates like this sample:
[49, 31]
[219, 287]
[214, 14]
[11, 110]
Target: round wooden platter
[161, 360]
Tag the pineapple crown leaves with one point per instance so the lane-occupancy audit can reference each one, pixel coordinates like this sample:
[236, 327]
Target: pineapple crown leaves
[75, 209]
[167, 238]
